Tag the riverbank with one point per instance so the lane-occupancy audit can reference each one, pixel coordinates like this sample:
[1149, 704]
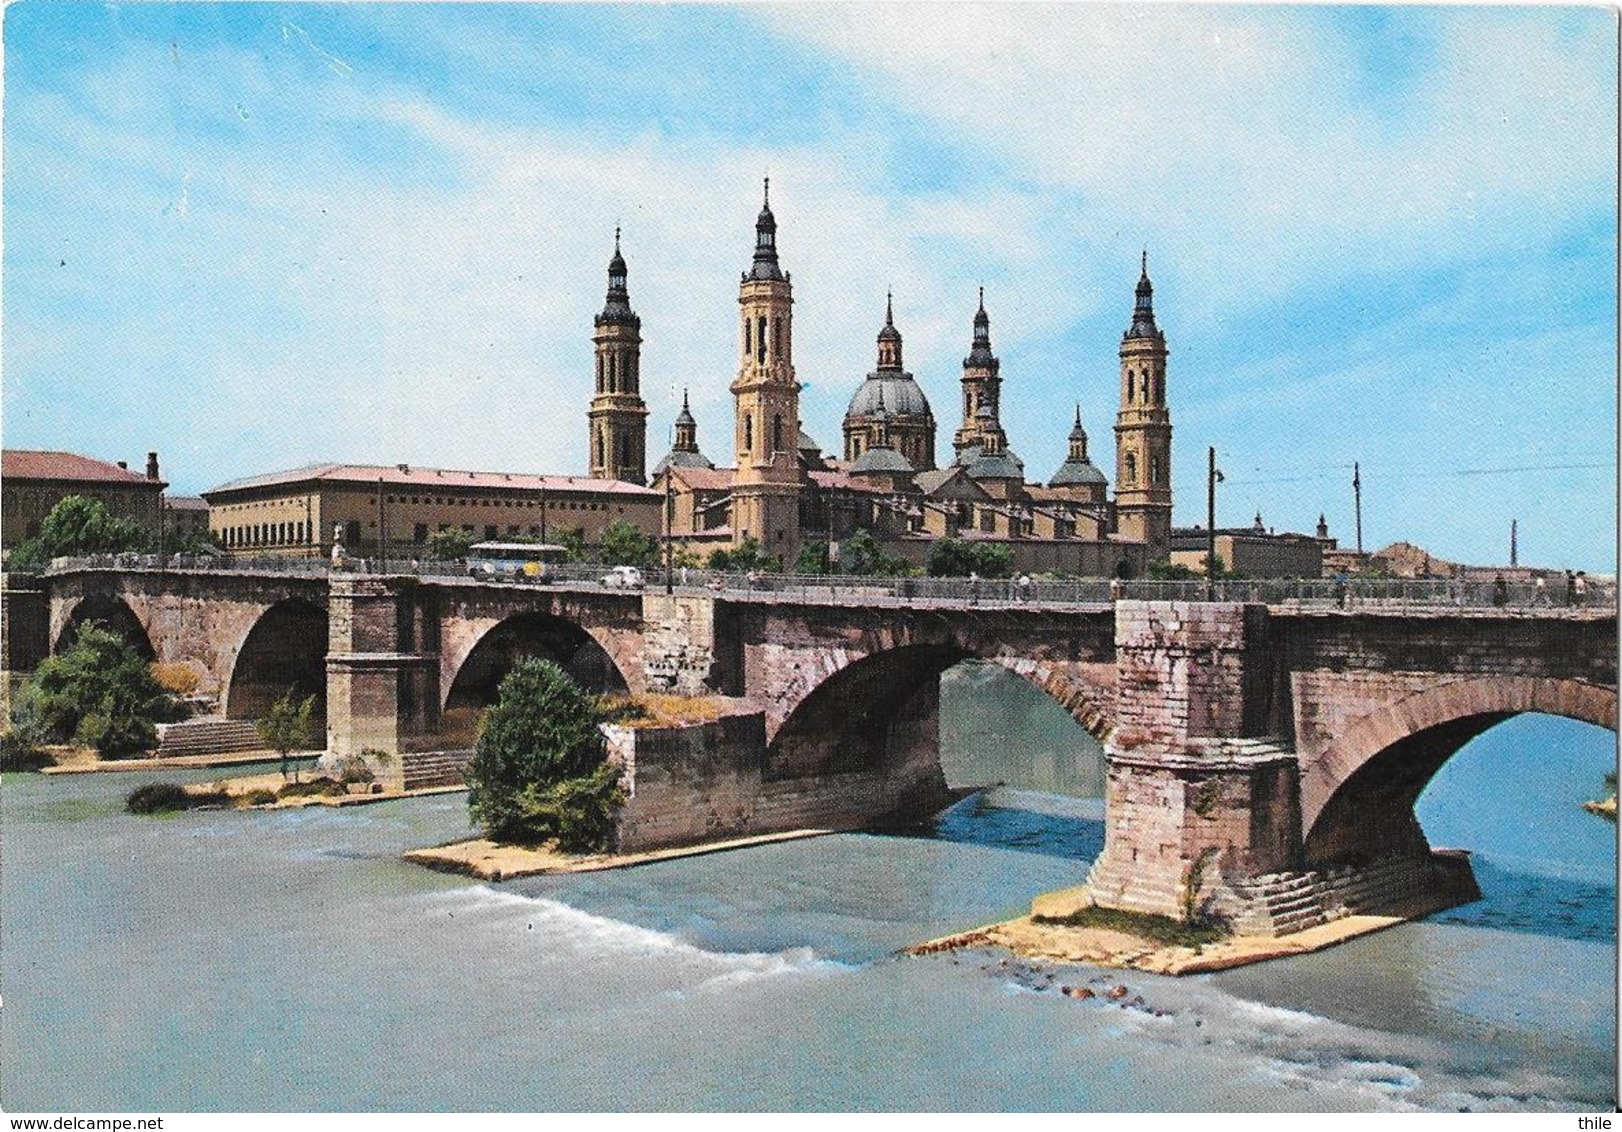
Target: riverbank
[489, 860]
[74, 760]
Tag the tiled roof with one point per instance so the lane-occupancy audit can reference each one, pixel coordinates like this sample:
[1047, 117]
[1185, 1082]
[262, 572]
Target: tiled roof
[842, 481]
[185, 503]
[432, 479]
[706, 479]
[20, 464]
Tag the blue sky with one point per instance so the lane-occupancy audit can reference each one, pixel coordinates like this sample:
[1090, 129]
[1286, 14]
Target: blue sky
[253, 236]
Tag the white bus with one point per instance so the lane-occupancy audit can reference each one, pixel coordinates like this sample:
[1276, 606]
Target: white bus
[533, 562]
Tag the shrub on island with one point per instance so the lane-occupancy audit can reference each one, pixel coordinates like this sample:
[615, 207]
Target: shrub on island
[540, 771]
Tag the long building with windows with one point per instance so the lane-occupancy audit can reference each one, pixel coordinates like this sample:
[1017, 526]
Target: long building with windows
[393, 510]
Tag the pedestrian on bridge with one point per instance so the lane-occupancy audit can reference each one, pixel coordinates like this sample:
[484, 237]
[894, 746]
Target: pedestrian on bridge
[1571, 588]
[1579, 588]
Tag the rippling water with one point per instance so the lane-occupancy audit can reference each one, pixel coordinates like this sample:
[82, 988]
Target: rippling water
[240, 961]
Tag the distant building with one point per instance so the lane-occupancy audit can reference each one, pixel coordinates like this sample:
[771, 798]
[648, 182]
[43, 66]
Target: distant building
[32, 483]
[1254, 551]
[184, 515]
[297, 512]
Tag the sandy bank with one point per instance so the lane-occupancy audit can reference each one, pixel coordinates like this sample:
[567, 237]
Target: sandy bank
[491, 861]
[1101, 947]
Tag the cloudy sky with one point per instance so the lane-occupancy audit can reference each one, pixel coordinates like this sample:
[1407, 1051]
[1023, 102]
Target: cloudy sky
[255, 236]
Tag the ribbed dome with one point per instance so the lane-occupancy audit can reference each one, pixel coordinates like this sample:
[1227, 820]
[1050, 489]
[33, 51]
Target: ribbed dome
[898, 391]
[880, 460]
[677, 458]
[1077, 473]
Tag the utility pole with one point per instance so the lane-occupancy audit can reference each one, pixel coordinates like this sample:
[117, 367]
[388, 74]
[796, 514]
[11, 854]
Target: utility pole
[1514, 551]
[1212, 478]
[670, 523]
[382, 545]
[1357, 503]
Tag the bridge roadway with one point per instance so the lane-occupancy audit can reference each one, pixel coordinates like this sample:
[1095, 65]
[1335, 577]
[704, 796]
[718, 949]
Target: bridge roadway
[1246, 740]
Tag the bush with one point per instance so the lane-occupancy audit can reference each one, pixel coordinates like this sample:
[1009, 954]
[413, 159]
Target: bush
[315, 788]
[259, 797]
[539, 771]
[167, 797]
[98, 692]
[180, 679]
[354, 769]
[18, 751]
[626, 545]
[951, 557]
[1145, 925]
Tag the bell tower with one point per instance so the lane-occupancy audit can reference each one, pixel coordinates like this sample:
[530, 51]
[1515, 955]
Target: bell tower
[766, 490]
[617, 422]
[982, 391]
[1143, 430]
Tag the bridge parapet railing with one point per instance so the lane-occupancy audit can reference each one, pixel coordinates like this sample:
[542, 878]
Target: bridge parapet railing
[1370, 594]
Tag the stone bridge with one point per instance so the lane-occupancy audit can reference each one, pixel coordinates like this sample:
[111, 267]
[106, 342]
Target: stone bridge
[1262, 761]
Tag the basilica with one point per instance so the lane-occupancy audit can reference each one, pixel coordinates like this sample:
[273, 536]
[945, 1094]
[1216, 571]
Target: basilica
[783, 493]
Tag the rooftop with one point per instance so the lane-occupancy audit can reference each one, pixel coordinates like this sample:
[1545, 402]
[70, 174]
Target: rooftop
[23, 464]
[404, 475]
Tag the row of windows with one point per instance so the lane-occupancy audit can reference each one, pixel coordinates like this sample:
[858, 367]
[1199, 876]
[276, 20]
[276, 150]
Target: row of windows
[1130, 472]
[1152, 390]
[616, 374]
[264, 534]
[754, 337]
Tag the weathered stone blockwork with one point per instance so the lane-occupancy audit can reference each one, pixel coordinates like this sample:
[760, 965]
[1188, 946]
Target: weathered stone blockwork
[708, 782]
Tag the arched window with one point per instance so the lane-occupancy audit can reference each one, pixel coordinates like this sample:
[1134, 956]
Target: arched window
[748, 433]
[760, 340]
[1131, 467]
[777, 433]
[600, 461]
[777, 336]
[1131, 387]
[599, 373]
[746, 346]
[1154, 469]
[1160, 388]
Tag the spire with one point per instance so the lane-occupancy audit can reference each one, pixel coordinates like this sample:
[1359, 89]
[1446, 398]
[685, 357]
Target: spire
[685, 417]
[1078, 433]
[617, 307]
[1143, 309]
[889, 337]
[980, 349]
[765, 265]
[1078, 440]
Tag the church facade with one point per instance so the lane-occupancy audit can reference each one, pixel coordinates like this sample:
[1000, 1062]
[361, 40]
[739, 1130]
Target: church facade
[783, 494]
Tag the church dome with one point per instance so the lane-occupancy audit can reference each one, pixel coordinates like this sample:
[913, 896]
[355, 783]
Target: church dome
[897, 391]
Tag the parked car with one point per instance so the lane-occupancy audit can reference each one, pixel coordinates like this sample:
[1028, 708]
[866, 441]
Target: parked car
[623, 578]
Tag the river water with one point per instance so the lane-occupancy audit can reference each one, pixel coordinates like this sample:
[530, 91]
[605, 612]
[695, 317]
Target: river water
[259, 961]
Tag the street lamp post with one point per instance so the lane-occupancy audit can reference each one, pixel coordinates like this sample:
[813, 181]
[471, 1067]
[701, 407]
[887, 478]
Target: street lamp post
[1212, 478]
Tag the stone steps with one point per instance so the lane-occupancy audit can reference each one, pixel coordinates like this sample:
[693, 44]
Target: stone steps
[207, 737]
[422, 769]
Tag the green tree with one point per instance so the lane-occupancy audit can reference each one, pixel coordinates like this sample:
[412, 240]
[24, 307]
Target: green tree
[449, 545]
[572, 540]
[951, 557]
[286, 727]
[539, 770]
[1166, 570]
[813, 559]
[862, 554]
[746, 555]
[626, 545]
[98, 692]
[78, 526]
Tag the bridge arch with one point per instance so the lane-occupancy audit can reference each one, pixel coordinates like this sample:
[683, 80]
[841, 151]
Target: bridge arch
[880, 709]
[489, 656]
[110, 612]
[1358, 795]
[286, 647]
